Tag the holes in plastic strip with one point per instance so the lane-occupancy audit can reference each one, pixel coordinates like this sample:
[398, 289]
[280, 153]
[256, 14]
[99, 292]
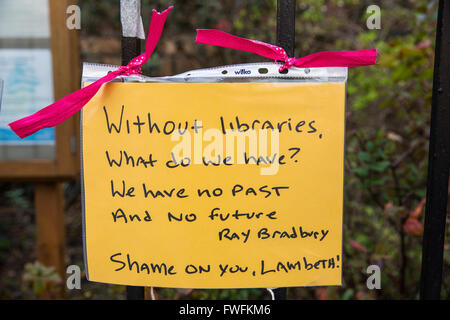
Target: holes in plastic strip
[263, 70]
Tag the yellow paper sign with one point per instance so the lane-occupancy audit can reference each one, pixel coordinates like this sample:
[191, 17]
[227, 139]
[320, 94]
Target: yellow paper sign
[214, 185]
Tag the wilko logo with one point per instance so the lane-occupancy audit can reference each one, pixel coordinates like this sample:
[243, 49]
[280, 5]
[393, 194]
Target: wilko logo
[243, 71]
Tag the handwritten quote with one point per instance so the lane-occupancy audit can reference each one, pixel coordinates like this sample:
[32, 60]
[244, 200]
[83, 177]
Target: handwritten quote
[214, 185]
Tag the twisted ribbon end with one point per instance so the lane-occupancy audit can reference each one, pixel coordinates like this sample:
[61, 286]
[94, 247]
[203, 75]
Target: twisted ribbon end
[165, 12]
[196, 35]
[200, 34]
[64, 108]
[19, 129]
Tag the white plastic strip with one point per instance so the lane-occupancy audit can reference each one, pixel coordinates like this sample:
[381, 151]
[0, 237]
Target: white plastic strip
[263, 70]
[251, 72]
[272, 294]
[152, 294]
[130, 16]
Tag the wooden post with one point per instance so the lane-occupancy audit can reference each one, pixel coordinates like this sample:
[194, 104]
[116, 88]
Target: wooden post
[50, 228]
[438, 163]
[49, 196]
[286, 40]
[48, 175]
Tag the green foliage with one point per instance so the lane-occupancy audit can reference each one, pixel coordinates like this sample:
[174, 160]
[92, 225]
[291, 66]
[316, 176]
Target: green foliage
[16, 198]
[386, 156]
[40, 281]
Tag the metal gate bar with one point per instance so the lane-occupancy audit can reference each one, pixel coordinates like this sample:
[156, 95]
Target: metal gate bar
[438, 162]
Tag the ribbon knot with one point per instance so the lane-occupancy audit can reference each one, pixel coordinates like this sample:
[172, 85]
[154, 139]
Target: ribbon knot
[355, 58]
[134, 67]
[289, 62]
[63, 109]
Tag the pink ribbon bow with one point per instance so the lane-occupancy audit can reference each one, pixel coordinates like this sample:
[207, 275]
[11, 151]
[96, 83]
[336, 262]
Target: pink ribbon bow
[354, 58]
[63, 109]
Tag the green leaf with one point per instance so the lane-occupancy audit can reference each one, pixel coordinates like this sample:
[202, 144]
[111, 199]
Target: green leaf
[364, 156]
[361, 172]
[380, 166]
[347, 294]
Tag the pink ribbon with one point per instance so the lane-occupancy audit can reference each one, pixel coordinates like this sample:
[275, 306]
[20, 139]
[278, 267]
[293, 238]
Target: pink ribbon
[63, 109]
[354, 58]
